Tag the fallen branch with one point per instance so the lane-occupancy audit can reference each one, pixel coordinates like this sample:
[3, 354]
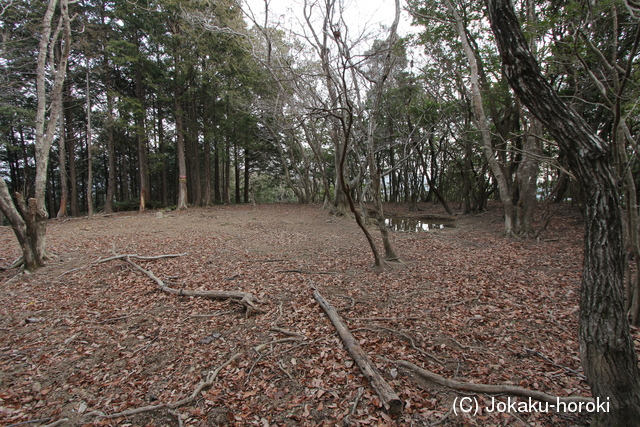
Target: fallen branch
[136, 256]
[211, 377]
[489, 388]
[287, 332]
[295, 270]
[243, 298]
[388, 397]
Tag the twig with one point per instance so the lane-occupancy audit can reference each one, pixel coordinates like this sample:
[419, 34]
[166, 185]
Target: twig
[58, 422]
[464, 301]
[41, 420]
[114, 319]
[391, 319]
[408, 338]
[305, 271]
[211, 377]
[537, 353]
[71, 271]
[489, 388]
[356, 401]
[177, 415]
[351, 304]
[287, 332]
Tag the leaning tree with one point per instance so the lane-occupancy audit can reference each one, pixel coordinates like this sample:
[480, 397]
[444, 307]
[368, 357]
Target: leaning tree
[606, 348]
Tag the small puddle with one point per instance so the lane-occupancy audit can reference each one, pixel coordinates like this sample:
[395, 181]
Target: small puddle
[416, 224]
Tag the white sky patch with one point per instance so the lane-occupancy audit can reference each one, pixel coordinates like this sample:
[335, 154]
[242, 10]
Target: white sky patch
[360, 15]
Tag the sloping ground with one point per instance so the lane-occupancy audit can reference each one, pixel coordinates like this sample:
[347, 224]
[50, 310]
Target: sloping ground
[77, 338]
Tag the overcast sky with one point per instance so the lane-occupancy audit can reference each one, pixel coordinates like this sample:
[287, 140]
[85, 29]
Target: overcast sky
[360, 15]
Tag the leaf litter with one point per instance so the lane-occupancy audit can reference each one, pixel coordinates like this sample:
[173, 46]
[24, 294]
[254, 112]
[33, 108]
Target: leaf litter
[80, 339]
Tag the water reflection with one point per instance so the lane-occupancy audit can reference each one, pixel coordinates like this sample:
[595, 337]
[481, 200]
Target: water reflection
[415, 224]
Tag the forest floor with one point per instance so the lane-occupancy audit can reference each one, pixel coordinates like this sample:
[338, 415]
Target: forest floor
[80, 338]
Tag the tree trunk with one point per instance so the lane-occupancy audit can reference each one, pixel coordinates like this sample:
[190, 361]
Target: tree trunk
[247, 177]
[483, 126]
[606, 347]
[182, 164]
[527, 178]
[141, 134]
[29, 222]
[89, 151]
[111, 150]
[62, 159]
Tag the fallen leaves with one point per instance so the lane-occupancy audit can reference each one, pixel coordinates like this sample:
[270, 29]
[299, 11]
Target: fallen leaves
[106, 340]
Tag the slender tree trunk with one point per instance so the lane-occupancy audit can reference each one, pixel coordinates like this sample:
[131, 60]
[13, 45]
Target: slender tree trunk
[483, 126]
[216, 171]
[89, 151]
[182, 164]
[606, 347]
[247, 176]
[62, 159]
[236, 170]
[111, 150]
[141, 134]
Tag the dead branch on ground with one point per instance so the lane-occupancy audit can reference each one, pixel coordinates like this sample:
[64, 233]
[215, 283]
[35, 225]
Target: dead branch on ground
[388, 397]
[245, 299]
[305, 271]
[489, 388]
[211, 377]
[136, 256]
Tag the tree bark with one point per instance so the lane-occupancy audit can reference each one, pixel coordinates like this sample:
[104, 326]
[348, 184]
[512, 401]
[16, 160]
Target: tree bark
[606, 348]
[388, 397]
[89, 150]
[182, 164]
[483, 126]
[62, 159]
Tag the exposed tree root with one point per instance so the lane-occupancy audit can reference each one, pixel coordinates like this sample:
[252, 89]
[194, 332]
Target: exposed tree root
[489, 388]
[203, 385]
[136, 256]
[388, 397]
[245, 299]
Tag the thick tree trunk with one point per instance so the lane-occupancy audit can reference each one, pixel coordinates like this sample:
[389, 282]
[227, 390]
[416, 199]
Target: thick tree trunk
[29, 222]
[606, 348]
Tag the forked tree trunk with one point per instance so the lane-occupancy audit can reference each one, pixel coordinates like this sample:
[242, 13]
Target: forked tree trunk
[28, 219]
[606, 348]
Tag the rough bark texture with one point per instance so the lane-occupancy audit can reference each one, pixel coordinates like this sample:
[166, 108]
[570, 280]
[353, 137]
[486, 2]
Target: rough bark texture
[606, 347]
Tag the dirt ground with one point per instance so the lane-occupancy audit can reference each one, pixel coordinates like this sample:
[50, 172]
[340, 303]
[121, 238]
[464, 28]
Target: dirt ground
[81, 340]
